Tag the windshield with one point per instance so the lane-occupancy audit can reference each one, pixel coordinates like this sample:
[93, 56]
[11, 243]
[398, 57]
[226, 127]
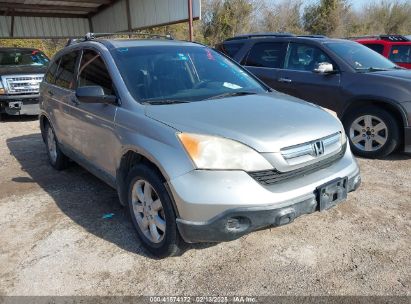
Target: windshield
[401, 53]
[169, 74]
[360, 57]
[23, 57]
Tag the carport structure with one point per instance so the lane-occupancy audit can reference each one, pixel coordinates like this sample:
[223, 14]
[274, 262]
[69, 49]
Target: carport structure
[74, 18]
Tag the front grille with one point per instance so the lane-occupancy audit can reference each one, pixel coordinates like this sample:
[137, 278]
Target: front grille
[269, 177]
[24, 84]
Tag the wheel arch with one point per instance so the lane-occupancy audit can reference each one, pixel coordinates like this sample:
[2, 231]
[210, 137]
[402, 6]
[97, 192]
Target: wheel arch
[129, 159]
[389, 106]
[43, 119]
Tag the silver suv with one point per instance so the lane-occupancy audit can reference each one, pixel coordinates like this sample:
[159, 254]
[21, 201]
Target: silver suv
[198, 149]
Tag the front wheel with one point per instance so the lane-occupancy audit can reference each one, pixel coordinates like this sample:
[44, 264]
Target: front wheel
[152, 212]
[372, 131]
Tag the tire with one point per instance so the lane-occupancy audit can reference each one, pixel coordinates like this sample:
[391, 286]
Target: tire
[373, 132]
[144, 212]
[57, 159]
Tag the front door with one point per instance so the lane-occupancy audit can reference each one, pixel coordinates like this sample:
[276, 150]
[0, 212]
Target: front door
[93, 131]
[299, 79]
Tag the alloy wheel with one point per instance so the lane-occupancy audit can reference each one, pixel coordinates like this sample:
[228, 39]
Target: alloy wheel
[148, 211]
[368, 133]
[51, 145]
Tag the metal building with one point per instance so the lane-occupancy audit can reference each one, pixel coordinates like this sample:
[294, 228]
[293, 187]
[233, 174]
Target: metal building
[73, 18]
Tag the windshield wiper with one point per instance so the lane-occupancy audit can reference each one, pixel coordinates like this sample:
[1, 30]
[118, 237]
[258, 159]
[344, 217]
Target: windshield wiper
[164, 101]
[372, 69]
[230, 94]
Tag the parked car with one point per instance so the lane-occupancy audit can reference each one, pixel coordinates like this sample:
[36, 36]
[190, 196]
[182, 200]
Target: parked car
[198, 148]
[397, 48]
[21, 71]
[370, 94]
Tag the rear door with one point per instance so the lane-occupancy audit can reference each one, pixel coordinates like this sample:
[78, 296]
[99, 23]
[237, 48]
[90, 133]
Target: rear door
[93, 123]
[299, 79]
[58, 92]
[265, 59]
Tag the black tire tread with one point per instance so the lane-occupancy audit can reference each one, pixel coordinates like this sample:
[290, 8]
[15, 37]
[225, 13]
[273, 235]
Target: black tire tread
[393, 140]
[172, 244]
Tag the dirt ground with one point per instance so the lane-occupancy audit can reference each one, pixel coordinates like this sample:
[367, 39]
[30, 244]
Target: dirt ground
[54, 241]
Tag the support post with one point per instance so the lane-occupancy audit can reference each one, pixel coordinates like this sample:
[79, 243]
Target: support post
[190, 20]
[12, 25]
[90, 24]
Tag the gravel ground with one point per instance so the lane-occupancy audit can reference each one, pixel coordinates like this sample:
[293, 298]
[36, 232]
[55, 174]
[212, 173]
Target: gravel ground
[54, 240]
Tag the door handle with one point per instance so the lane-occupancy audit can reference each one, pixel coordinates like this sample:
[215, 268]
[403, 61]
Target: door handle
[287, 80]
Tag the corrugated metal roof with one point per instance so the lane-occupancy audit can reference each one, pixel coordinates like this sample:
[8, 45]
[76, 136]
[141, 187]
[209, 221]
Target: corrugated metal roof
[38, 7]
[73, 18]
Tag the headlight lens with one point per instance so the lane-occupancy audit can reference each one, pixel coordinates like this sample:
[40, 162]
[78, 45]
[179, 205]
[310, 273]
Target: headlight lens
[2, 90]
[212, 152]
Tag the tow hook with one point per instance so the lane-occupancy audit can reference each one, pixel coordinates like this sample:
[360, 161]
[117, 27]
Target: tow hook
[15, 105]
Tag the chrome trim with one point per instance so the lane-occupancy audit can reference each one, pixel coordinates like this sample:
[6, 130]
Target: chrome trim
[308, 148]
[22, 84]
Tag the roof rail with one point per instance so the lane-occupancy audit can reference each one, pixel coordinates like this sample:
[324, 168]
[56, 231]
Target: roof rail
[258, 35]
[312, 36]
[92, 36]
[393, 38]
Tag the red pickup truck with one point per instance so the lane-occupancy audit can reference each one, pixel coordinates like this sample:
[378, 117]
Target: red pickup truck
[397, 48]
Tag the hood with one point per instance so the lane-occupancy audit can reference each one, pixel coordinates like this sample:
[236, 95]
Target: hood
[22, 69]
[265, 122]
[398, 74]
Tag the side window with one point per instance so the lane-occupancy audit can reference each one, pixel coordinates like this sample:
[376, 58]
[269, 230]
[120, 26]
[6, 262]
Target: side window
[400, 54]
[266, 54]
[232, 48]
[93, 71]
[379, 48]
[305, 57]
[50, 76]
[65, 72]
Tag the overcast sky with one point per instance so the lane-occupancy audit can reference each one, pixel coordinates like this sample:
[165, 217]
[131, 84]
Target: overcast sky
[356, 4]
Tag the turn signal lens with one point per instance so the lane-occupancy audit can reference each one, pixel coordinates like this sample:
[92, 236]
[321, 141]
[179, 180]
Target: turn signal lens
[191, 144]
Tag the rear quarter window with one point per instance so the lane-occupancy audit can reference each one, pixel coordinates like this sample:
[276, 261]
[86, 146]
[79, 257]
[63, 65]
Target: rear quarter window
[379, 48]
[231, 49]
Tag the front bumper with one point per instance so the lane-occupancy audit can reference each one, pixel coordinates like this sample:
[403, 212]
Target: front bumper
[20, 104]
[407, 140]
[215, 206]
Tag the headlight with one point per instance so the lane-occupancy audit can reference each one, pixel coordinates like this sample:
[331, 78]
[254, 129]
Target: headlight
[2, 90]
[343, 137]
[211, 152]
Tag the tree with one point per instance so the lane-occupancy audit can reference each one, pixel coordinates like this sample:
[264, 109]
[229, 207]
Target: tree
[326, 17]
[388, 17]
[225, 18]
[284, 16]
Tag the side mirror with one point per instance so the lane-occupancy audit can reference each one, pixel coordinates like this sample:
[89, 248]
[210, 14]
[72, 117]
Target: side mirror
[94, 94]
[324, 68]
